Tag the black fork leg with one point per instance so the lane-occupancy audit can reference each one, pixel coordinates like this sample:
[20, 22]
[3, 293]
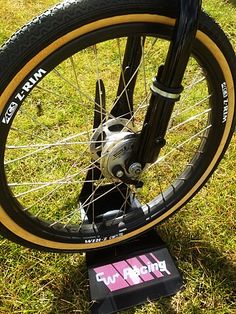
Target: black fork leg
[166, 87]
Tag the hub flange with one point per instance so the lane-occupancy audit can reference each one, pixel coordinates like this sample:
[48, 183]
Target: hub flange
[112, 145]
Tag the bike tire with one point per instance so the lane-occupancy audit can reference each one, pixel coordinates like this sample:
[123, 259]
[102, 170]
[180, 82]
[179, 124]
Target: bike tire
[34, 60]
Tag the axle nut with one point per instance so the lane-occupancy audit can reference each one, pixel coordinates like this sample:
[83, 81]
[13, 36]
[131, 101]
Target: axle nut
[135, 169]
[119, 174]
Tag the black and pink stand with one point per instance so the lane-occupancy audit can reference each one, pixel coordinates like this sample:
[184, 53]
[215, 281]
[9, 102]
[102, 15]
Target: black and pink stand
[131, 274]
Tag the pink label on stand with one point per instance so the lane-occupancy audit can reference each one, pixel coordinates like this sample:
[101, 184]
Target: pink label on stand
[131, 272]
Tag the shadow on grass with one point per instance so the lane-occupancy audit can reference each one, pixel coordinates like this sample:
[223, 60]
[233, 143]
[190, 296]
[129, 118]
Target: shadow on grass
[72, 294]
[233, 2]
[189, 247]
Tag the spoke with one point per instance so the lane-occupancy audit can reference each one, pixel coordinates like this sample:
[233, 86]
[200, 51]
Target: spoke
[87, 204]
[76, 88]
[162, 174]
[180, 146]
[144, 71]
[50, 193]
[187, 90]
[58, 144]
[121, 209]
[43, 147]
[95, 199]
[49, 91]
[59, 186]
[65, 180]
[125, 197]
[133, 76]
[127, 86]
[192, 107]
[195, 81]
[47, 145]
[81, 92]
[34, 119]
[123, 77]
[45, 184]
[125, 203]
[26, 133]
[189, 120]
[140, 107]
[74, 71]
[69, 217]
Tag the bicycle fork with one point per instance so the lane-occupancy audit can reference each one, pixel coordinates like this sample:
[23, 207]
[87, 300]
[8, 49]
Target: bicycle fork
[166, 90]
[166, 87]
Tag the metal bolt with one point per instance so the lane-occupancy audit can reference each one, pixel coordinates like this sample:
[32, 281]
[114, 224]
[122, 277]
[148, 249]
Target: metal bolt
[135, 169]
[119, 174]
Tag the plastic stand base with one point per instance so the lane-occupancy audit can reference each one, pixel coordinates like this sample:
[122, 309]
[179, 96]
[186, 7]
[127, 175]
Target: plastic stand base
[131, 274]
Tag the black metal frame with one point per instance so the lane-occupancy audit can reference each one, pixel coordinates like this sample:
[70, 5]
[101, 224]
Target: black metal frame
[166, 88]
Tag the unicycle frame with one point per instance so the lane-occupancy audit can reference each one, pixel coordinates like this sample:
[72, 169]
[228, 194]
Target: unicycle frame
[166, 87]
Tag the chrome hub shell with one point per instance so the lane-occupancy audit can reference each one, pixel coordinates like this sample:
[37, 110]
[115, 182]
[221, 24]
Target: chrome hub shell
[112, 145]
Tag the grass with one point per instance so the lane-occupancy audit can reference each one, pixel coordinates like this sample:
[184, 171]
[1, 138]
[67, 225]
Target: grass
[201, 236]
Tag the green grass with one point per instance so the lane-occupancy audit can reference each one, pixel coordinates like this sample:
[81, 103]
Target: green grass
[201, 236]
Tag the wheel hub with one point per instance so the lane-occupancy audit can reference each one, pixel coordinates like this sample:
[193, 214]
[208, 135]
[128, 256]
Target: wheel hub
[111, 146]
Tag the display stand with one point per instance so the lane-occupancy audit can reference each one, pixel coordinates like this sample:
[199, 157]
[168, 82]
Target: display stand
[131, 274]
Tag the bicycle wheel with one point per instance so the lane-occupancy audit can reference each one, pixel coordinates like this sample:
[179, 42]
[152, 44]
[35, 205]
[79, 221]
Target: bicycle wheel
[64, 86]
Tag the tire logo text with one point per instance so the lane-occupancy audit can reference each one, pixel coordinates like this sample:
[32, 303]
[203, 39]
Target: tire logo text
[19, 97]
